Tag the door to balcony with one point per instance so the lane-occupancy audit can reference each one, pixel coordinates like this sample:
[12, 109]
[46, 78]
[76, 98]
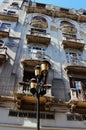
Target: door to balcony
[78, 88]
[78, 95]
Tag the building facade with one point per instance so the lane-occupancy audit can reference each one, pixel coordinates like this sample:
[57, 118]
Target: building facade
[29, 33]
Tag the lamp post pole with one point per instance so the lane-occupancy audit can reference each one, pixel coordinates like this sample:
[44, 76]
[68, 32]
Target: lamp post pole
[38, 112]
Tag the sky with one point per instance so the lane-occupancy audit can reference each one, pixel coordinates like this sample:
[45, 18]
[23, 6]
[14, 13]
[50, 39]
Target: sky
[76, 4]
[1, 1]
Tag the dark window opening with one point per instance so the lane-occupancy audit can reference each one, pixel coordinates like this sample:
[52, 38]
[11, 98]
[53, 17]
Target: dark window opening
[31, 114]
[84, 13]
[49, 116]
[15, 4]
[75, 117]
[84, 117]
[69, 36]
[64, 10]
[40, 5]
[70, 117]
[11, 12]
[67, 23]
[27, 75]
[34, 30]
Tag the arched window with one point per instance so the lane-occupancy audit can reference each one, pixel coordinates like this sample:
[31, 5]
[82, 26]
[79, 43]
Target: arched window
[39, 22]
[68, 27]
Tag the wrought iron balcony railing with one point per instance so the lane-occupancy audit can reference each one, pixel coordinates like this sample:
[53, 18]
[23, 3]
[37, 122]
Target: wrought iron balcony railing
[46, 35]
[8, 14]
[75, 62]
[74, 39]
[78, 95]
[34, 56]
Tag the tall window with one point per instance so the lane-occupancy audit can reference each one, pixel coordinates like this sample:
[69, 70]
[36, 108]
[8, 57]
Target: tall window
[73, 57]
[68, 27]
[5, 27]
[39, 22]
[35, 49]
[80, 87]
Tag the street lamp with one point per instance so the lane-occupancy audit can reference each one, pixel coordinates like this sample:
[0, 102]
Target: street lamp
[38, 85]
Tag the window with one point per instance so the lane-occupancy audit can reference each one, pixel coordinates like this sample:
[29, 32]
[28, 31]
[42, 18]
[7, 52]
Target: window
[84, 13]
[15, 4]
[64, 10]
[27, 75]
[68, 27]
[69, 36]
[40, 5]
[66, 23]
[80, 87]
[73, 57]
[38, 31]
[36, 49]
[12, 42]
[5, 27]
[31, 114]
[39, 22]
[75, 117]
[10, 12]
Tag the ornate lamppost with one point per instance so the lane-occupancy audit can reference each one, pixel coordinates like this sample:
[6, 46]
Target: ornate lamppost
[38, 85]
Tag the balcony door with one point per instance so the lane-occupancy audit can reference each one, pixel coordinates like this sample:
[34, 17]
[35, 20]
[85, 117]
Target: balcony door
[73, 57]
[79, 87]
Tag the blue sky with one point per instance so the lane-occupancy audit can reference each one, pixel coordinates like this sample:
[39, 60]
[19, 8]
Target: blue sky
[1, 1]
[76, 4]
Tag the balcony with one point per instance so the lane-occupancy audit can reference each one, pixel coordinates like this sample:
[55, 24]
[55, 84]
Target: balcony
[25, 100]
[77, 105]
[4, 33]
[73, 43]
[38, 38]
[8, 17]
[30, 60]
[76, 68]
[3, 52]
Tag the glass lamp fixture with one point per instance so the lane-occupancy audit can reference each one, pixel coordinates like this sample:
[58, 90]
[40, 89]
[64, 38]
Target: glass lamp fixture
[37, 71]
[33, 85]
[45, 65]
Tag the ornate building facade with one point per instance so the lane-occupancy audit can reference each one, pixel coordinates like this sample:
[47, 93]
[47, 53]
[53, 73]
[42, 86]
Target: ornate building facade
[29, 33]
